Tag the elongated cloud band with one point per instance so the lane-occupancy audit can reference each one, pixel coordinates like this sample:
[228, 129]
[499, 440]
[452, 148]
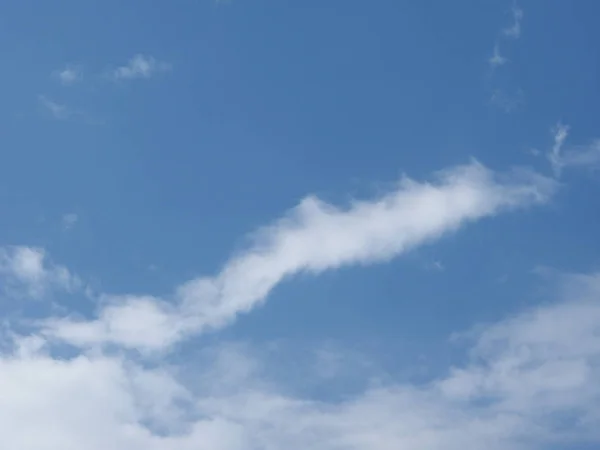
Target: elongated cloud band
[313, 237]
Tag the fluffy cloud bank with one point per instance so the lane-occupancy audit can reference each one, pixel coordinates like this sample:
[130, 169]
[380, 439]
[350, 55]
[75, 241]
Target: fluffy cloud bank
[312, 237]
[531, 382]
[26, 271]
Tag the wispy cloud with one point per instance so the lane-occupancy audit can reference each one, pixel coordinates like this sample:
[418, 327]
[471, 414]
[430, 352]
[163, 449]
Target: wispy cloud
[140, 66]
[438, 265]
[56, 110]
[26, 271]
[514, 31]
[61, 111]
[582, 156]
[69, 220]
[313, 237]
[497, 60]
[576, 156]
[69, 75]
[560, 133]
[507, 102]
[499, 97]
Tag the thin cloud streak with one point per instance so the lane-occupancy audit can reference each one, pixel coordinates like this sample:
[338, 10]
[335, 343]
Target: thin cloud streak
[560, 132]
[62, 112]
[576, 156]
[582, 156]
[56, 110]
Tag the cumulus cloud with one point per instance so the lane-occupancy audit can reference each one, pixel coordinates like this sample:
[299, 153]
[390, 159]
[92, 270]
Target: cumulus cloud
[577, 156]
[27, 271]
[140, 66]
[312, 237]
[530, 383]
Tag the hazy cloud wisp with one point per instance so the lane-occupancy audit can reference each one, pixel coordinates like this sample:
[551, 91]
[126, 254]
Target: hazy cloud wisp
[576, 156]
[140, 66]
[514, 31]
[69, 75]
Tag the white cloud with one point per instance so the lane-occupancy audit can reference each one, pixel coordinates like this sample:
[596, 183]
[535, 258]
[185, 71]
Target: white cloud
[313, 237]
[576, 156]
[69, 75]
[26, 270]
[530, 383]
[140, 66]
[497, 60]
[69, 220]
[131, 321]
[514, 31]
[85, 402]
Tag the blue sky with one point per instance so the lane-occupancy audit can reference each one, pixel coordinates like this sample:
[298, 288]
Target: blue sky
[260, 225]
